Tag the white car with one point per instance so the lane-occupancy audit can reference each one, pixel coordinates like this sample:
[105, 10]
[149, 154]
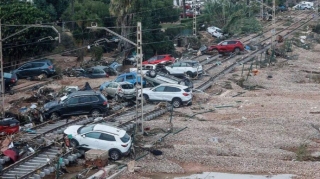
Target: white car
[178, 95]
[100, 136]
[215, 31]
[190, 68]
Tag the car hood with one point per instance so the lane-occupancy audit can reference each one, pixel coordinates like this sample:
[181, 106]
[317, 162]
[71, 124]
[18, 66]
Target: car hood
[50, 105]
[72, 130]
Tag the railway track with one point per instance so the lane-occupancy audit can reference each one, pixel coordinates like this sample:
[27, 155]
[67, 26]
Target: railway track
[240, 60]
[30, 166]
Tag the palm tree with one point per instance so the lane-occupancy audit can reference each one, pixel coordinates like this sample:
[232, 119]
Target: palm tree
[120, 9]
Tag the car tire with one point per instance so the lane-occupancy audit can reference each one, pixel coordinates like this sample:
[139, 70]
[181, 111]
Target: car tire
[11, 92]
[114, 155]
[54, 116]
[145, 98]
[95, 113]
[236, 51]
[74, 143]
[190, 74]
[44, 75]
[152, 73]
[215, 51]
[176, 102]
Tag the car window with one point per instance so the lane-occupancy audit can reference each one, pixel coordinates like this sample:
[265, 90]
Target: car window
[127, 86]
[187, 90]
[73, 101]
[26, 66]
[185, 65]
[130, 77]
[176, 64]
[7, 75]
[98, 71]
[224, 43]
[172, 89]
[85, 99]
[120, 79]
[232, 42]
[125, 138]
[94, 135]
[36, 65]
[107, 137]
[159, 89]
[103, 97]
[160, 57]
[94, 98]
[153, 58]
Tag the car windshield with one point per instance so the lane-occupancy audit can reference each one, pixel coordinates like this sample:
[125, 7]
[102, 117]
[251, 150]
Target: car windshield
[125, 138]
[85, 129]
[7, 75]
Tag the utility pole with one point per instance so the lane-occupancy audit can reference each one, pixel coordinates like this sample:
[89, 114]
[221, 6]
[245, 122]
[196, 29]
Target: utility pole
[139, 87]
[1, 54]
[261, 10]
[1, 65]
[194, 22]
[273, 23]
[139, 68]
[316, 16]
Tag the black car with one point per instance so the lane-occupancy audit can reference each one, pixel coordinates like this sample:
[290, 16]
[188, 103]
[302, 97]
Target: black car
[77, 103]
[10, 79]
[35, 68]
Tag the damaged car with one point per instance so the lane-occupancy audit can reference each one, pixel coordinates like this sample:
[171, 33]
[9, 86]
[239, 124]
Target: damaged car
[100, 136]
[77, 103]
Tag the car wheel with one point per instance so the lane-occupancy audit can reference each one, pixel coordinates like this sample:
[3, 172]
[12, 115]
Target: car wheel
[152, 73]
[44, 75]
[236, 51]
[145, 98]
[215, 51]
[114, 155]
[74, 143]
[176, 102]
[11, 92]
[95, 113]
[190, 74]
[54, 116]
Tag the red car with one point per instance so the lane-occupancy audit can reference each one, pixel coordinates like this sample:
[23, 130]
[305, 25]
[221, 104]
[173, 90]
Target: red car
[228, 46]
[189, 14]
[163, 59]
[9, 126]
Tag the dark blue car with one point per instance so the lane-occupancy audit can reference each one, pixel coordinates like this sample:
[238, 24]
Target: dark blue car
[35, 68]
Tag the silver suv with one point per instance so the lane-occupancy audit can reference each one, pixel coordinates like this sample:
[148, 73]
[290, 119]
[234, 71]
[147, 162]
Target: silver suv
[121, 90]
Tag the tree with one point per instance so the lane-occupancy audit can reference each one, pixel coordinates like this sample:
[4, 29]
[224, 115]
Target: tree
[25, 44]
[54, 8]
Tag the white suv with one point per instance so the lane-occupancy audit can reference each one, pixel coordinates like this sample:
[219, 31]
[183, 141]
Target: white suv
[100, 136]
[177, 94]
[190, 68]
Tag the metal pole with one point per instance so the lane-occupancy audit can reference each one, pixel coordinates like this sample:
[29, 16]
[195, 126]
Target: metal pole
[2, 81]
[194, 22]
[273, 23]
[139, 66]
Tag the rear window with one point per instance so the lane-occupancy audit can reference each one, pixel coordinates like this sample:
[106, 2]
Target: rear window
[103, 98]
[127, 86]
[7, 75]
[125, 138]
[187, 90]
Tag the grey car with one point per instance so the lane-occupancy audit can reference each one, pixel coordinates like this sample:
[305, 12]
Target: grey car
[121, 90]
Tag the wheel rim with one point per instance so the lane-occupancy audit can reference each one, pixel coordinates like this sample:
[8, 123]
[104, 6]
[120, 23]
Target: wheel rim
[189, 74]
[73, 143]
[114, 155]
[237, 50]
[176, 103]
[95, 113]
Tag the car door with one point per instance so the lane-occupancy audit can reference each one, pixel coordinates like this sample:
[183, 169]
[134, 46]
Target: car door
[224, 46]
[91, 139]
[24, 70]
[107, 141]
[36, 69]
[70, 107]
[85, 104]
[157, 93]
[174, 68]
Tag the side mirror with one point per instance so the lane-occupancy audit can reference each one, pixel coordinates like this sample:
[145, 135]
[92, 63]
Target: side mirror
[84, 136]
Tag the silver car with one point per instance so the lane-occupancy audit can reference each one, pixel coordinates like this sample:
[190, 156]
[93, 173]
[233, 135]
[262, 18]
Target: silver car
[121, 90]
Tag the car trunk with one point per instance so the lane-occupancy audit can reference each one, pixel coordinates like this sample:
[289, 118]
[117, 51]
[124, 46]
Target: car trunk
[128, 89]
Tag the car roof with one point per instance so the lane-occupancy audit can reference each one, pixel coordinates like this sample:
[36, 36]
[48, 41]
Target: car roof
[130, 73]
[190, 61]
[83, 93]
[173, 85]
[101, 67]
[109, 129]
[123, 82]
[41, 60]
